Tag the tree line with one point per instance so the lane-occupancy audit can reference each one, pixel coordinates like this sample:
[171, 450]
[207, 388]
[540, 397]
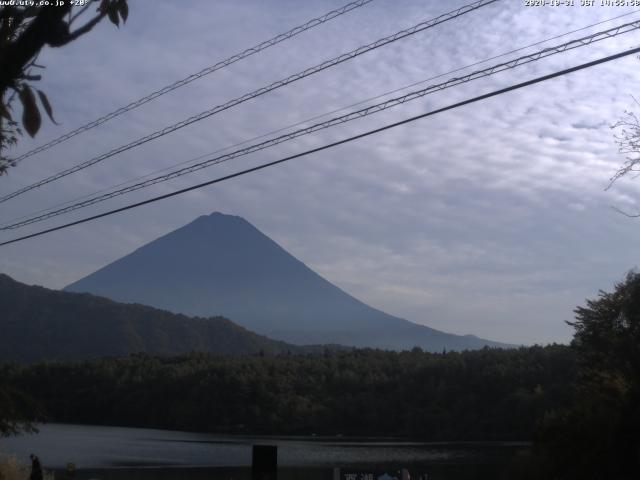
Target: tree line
[485, 394]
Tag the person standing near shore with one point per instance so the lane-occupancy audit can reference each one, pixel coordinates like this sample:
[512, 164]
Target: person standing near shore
[36, 468]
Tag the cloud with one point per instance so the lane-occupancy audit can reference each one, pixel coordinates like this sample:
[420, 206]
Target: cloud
[489, 219]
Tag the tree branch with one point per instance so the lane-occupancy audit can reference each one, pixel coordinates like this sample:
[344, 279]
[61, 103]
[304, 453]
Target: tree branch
[87, 27]
[41, 30]
[626, 214]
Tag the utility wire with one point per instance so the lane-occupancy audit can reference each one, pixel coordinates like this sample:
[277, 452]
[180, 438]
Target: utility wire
[315, 117]
[523, 60]
[195, 76]
[261, 91]
[334, 144]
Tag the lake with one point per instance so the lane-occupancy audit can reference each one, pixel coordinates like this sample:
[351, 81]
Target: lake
[121, 453]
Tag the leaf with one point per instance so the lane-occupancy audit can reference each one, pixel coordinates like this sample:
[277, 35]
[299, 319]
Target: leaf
[47, 106]
[123, 8]
[4, 111]
[113, 14]
[31, 11]
[31, 119]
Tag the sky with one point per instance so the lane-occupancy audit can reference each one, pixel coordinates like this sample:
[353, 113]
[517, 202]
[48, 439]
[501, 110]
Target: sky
[491, 219]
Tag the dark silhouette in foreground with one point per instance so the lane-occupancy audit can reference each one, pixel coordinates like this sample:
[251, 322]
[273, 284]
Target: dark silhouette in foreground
[598, 435]
[36, 468]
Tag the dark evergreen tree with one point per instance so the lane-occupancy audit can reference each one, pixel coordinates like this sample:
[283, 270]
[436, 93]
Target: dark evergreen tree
[599, 436]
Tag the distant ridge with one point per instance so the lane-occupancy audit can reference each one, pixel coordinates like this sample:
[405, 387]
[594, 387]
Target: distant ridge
[222, 265]
[39, 324]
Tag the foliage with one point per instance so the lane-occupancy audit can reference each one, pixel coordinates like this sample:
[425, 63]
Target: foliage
[24, 31]
[482, 395]
[599, 435]
[18, 411]
[12, 469]
[607, 337]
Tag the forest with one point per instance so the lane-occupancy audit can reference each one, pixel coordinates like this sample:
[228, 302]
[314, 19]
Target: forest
[487, 394]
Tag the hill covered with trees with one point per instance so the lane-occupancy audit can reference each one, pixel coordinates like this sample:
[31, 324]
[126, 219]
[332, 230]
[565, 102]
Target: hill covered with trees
[41, 324]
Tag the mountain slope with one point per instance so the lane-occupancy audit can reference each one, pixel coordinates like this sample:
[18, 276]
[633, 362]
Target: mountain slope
[222, 265]
[41, 324]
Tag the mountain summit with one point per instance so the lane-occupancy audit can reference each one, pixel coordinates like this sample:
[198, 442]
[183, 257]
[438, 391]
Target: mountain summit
[222, 265]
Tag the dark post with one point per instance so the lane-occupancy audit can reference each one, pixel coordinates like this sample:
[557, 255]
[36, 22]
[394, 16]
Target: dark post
[264, 462]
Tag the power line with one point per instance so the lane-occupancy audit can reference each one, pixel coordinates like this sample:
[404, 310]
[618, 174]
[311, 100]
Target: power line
[338, 120]
[523, 60]
[261, 91]
[315, 117]
[195, 76]
[334, 144]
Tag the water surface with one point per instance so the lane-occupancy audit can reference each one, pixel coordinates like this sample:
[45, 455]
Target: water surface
[135, 453]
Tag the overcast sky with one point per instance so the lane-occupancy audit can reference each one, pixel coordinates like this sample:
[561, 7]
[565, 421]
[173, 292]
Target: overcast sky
[490, 219]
